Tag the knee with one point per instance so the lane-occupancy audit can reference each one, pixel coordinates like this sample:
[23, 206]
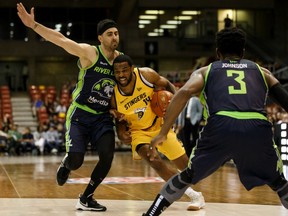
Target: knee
[74, 160]
[74, 165]
[187, 175]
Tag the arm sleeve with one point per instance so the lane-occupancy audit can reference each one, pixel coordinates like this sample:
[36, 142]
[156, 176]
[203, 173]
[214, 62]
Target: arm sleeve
[280, 94]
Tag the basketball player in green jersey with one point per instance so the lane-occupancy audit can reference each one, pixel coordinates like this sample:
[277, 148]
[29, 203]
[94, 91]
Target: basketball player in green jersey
[88, 119]
[234, 92]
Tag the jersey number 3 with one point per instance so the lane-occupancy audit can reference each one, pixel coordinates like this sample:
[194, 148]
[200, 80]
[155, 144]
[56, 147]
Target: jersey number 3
[238, 77]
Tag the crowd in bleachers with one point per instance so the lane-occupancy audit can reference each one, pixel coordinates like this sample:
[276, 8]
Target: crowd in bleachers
[49, 108]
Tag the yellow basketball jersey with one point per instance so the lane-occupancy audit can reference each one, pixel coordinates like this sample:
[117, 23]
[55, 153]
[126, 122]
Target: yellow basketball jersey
[136, 107]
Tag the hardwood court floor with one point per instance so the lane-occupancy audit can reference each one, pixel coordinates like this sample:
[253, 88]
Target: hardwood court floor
[28, 187]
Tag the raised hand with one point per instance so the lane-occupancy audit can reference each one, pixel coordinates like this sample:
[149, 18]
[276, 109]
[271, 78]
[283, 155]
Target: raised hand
[27, 19]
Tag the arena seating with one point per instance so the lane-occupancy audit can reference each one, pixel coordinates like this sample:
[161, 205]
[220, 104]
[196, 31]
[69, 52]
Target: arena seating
[5, 104]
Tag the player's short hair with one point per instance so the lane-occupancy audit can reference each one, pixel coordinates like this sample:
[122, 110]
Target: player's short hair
[231, 41]
[105, 24]
[123, 58]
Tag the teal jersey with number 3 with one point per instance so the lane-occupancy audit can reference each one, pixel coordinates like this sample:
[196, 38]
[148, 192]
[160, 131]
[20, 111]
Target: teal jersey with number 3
[234, 86]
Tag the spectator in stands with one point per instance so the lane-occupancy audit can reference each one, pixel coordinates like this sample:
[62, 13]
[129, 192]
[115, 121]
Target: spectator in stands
[3, 141]
[5, 128]
[14, 137]
[7, 121]
[54, 121]
[36, 105]
[61, 110]
[50, 105]
[24, 76]
[27, 142]
[228, 22]
[189, 124]
[51, 140]
[39, 140]
[9, 77]
[61, 137]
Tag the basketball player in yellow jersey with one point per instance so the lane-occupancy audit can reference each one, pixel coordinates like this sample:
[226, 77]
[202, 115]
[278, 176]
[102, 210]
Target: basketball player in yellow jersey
[132, 95]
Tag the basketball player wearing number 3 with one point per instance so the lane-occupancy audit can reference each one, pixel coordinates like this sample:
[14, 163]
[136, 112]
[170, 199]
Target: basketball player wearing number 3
[132, 97]
[233, 91]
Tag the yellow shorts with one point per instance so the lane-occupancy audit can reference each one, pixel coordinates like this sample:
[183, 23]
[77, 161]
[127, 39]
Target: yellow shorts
[172, 148]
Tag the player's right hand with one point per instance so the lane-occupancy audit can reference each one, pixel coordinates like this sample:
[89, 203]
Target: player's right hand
[27, 19]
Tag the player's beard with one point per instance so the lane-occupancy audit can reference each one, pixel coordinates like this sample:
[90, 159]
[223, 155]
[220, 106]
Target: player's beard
[128, 80]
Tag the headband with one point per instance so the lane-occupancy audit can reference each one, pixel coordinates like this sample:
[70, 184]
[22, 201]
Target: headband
[104, 25]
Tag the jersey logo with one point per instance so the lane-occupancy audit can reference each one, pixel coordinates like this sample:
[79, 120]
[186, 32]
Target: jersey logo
[104, 88]
[140, 112]
[123, 100]
[103, 63]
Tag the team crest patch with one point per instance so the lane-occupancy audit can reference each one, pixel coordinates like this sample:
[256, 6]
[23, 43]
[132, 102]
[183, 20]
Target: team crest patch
[140, 112]
[119, 180]
[104, 87]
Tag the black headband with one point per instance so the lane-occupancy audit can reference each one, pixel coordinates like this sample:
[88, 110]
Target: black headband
[104, 25]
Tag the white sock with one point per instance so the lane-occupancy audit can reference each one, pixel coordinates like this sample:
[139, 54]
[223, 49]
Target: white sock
[191, 193]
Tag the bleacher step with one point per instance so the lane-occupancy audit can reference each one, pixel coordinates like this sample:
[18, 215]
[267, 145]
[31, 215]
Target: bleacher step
[22, 112]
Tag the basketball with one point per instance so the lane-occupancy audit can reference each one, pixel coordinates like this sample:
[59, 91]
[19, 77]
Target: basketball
[160, 101]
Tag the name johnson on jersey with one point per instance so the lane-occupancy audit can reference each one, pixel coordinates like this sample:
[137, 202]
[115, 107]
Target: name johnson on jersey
[229, 65]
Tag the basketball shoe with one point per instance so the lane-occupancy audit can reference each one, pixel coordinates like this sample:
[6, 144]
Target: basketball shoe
[283, 195]
[89, 204]
[62, 173]
[197, 202]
